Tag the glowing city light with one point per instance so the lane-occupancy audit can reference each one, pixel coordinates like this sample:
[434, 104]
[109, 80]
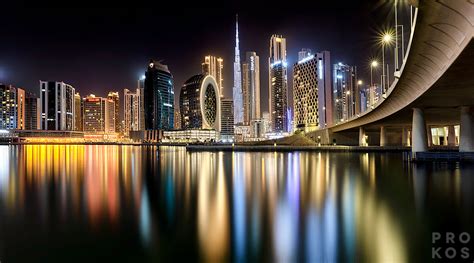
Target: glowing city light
[359, 82]
[374, 64]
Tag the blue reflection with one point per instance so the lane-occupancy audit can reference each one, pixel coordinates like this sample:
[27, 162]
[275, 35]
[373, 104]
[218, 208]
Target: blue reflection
[239, 209]
[314, 250]
[145, 222]
[349, 218]
[330, 230]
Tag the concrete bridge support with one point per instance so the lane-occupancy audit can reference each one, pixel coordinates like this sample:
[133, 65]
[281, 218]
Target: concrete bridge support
[451, 136]
[419, 136]
[405, 136]
[362, 141]
[466, 133]
[383, 136]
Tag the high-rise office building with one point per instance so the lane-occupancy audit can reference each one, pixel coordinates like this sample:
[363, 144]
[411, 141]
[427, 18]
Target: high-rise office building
[116, 98]
[227, 119]
[251, 87]
[79, 122]
[131, 110]
[214, 66]
[278, 83]
[305, 92]
[32, 113]
[237, 90]
[110, 120]
[57, 106]
[158, 97]
[345, 91]
[325, 91]
[12, 107]
[141, 91]
[200, 104]
[98, 114]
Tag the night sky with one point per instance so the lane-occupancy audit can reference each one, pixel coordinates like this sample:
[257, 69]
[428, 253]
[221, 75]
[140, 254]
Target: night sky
[101, 50]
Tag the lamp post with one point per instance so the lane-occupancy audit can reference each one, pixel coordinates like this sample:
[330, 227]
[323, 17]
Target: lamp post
[386, 40]
[373, 65]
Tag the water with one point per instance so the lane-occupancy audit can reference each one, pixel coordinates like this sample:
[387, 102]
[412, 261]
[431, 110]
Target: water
[140, 204]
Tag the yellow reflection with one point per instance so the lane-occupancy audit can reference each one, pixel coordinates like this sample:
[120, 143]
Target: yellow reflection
[213, 211]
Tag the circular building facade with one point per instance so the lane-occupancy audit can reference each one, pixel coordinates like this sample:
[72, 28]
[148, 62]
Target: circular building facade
[199, 103]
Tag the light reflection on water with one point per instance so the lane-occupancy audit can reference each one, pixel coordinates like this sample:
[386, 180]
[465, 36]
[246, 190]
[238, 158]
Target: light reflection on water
[147, 203]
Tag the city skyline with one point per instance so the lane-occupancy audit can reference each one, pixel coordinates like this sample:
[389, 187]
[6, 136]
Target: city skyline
[302, 30]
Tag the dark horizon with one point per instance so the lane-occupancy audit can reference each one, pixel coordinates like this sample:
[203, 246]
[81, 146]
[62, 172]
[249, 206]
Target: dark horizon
[103, 50]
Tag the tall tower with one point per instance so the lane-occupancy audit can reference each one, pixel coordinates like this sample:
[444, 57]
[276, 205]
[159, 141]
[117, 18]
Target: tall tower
[158, 97]
[213, 66]
[237, 91]
[251, 87]
[278, 83]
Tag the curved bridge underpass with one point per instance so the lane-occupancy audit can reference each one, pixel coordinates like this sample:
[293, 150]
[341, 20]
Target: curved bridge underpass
[435, 85]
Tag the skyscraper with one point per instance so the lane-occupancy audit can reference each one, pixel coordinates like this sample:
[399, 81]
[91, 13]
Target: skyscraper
[12, 107]
[237, 90]
[116, 98]
[227, 119]
[110, 120]
[305, 90]
[78, 112]
[95, 114]
[57, 106]
[131, 110]
[325, 91]
[278, 83]
[345, 91]
[200, 104]
[158, 97]
[32, 113]
[213, 66]
[141, 91]
[251, 87]
[304, 53]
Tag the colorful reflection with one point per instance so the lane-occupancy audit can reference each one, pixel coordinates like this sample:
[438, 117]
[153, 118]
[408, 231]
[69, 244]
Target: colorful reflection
[165, 203]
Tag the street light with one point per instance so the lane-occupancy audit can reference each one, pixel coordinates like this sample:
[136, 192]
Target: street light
[386, 39]
[373, 64]
[359, 82]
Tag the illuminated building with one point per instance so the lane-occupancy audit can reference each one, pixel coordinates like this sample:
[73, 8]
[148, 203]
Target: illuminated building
[237, 90]
[78, 126]
[251, 87]
[345, 91]
[305, 92]
[304, 53]
[177, 119]
[278, 83]
[213, 66]
[12, 108]
[374, 94]
[267, 123]
[325, 90]
[363, 100]
[116, 98]
[227, 120]
[141, 91]
[96, 113]
[191, 135]
[57, 106]
[110, 116]
[199, 103]
[32, 113]
[158, 97]
[242, 133]
[131, 110]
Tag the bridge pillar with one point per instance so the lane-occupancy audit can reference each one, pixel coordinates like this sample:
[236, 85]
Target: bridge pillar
[466, 133]
[418, 133]
[383, 136]
[404, 136]
[362, 141]
[430, 136]
[451, 136]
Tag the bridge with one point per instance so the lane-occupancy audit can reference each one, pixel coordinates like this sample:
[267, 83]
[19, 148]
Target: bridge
[434, 86]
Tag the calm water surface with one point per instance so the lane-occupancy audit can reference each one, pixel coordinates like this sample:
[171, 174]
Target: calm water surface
[140, 204]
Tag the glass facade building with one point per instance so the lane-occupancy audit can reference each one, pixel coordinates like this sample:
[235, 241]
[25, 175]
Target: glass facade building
[57, 106]
[12, 107]
[159, 97]
[278, 84]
